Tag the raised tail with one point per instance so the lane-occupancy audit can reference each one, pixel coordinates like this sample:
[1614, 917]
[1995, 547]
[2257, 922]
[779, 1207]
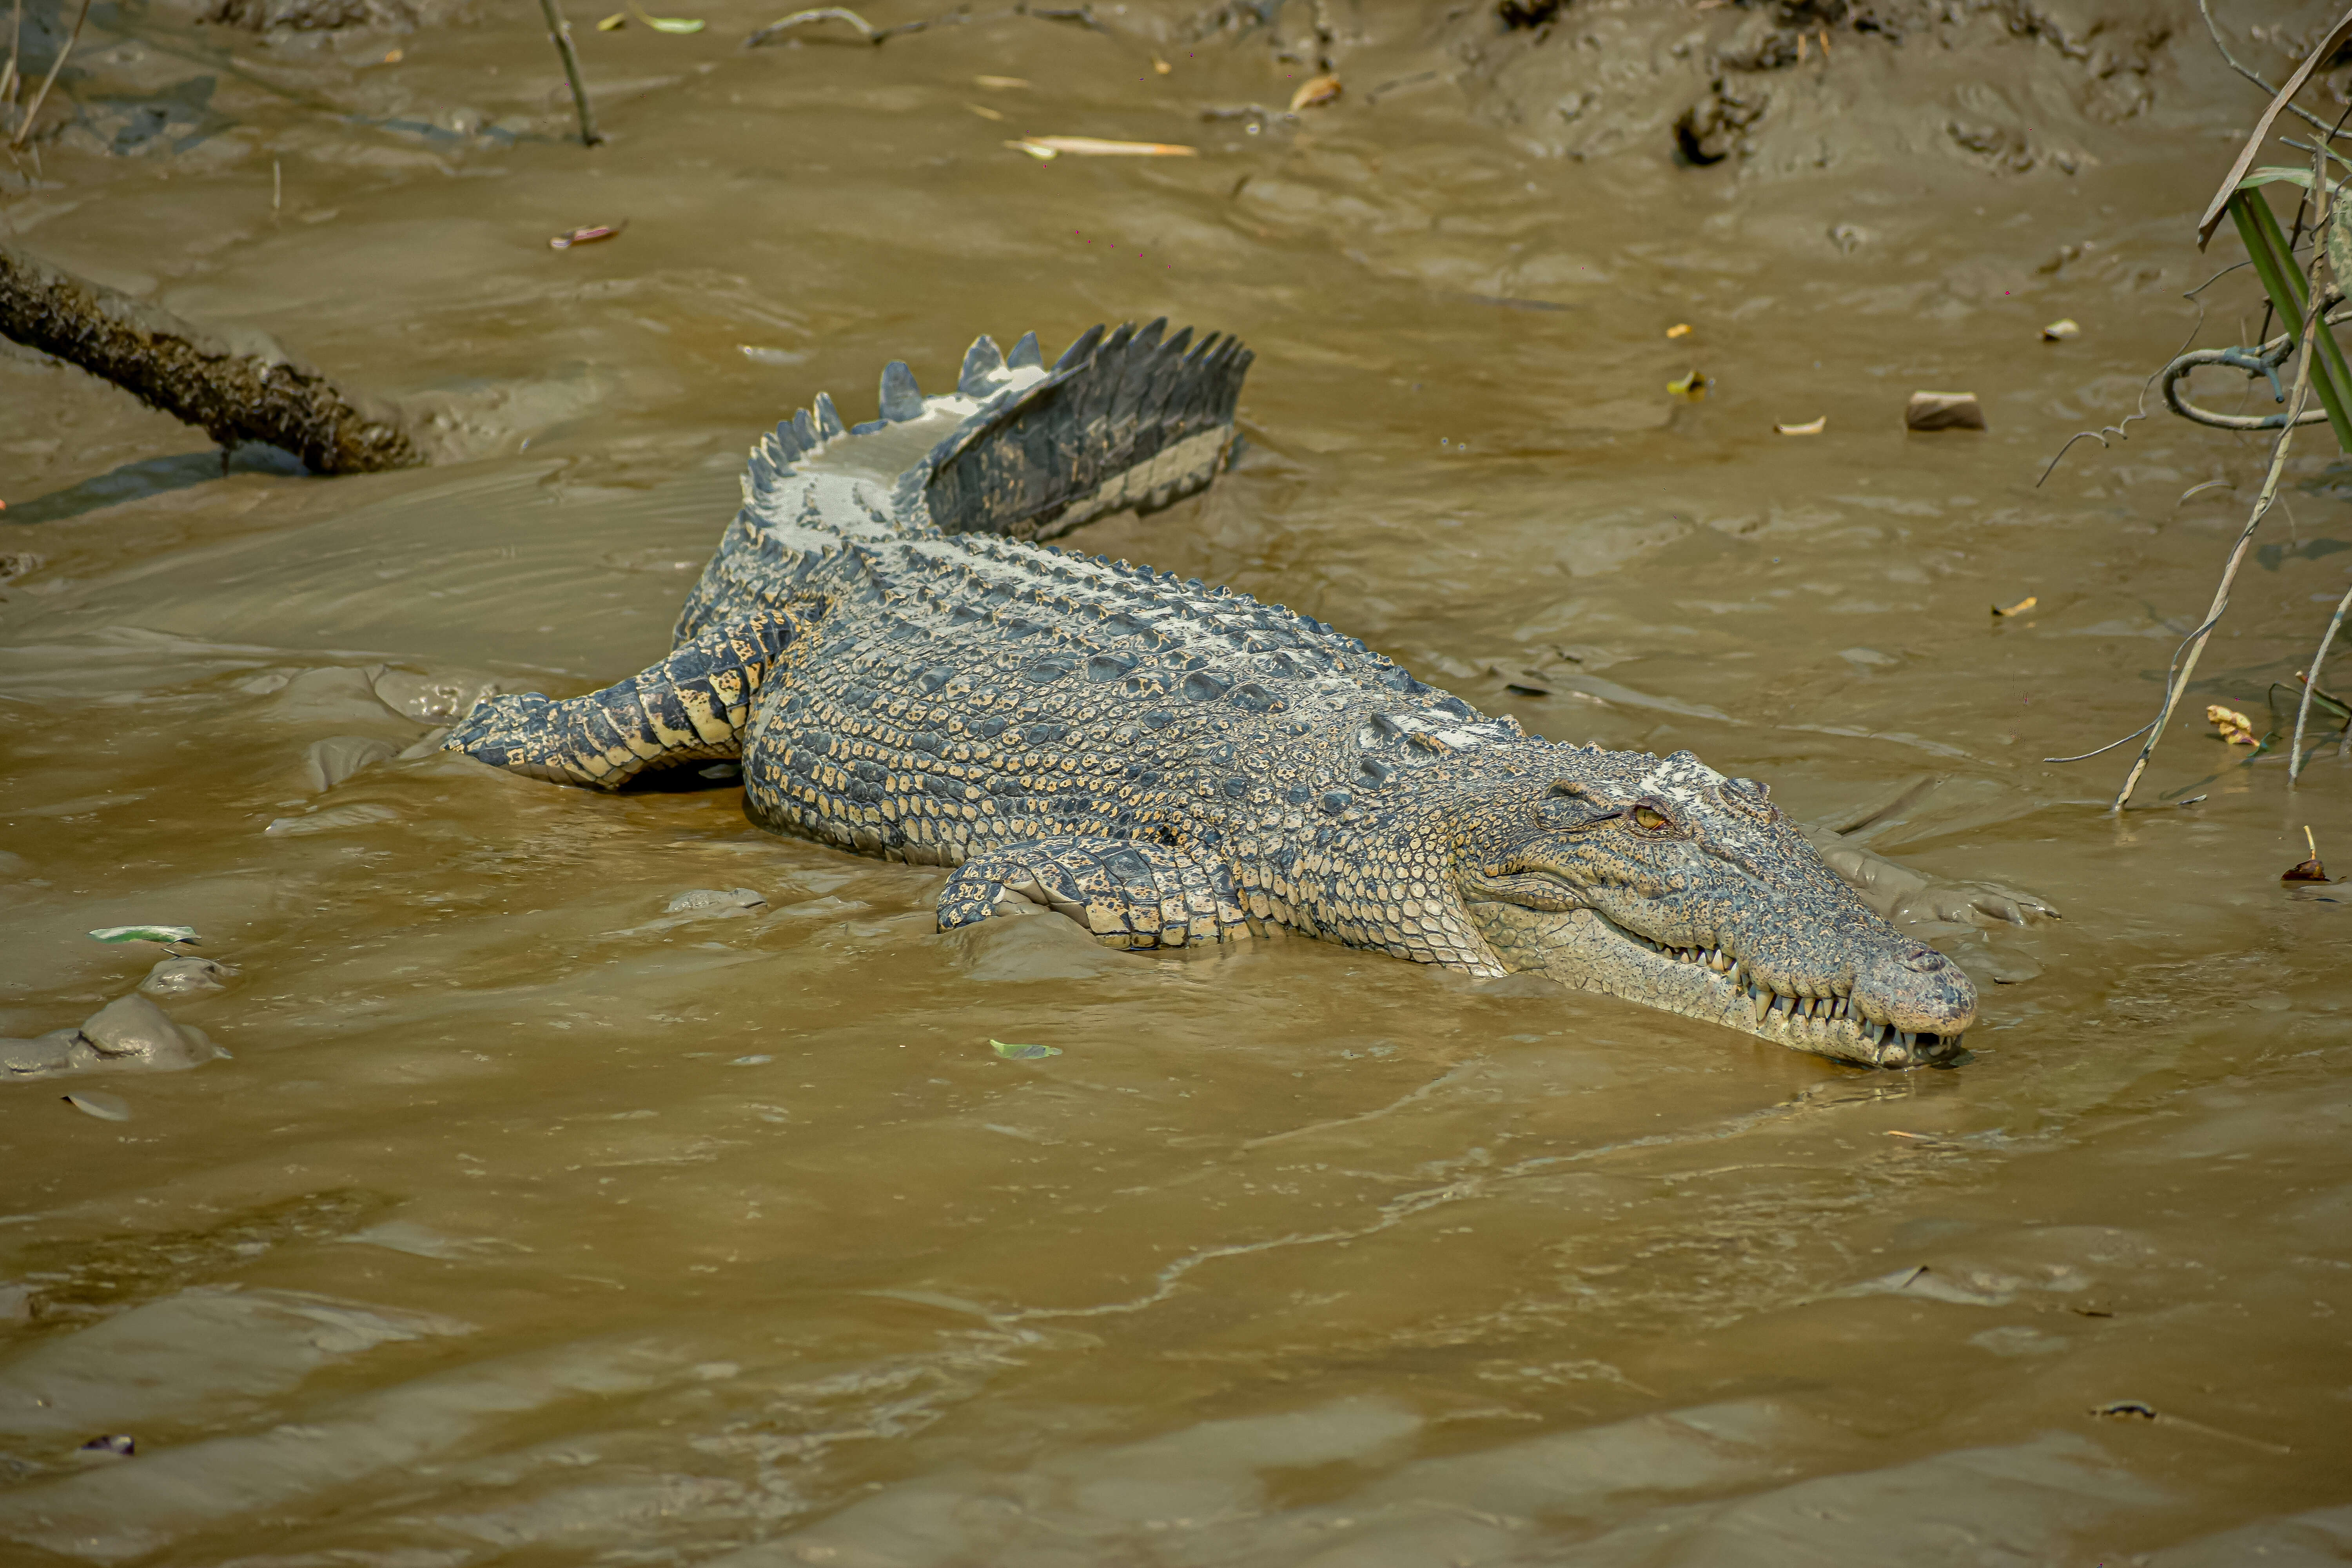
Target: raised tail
[1124, 420]
[1130, 421]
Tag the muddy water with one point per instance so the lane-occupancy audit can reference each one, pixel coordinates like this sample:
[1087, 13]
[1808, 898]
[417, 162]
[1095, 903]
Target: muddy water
[528, 1222]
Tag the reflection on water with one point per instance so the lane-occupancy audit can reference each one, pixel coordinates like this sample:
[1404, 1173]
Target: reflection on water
[538, 1213]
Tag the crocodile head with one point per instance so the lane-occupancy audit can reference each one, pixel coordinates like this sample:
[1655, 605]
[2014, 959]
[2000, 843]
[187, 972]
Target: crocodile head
[1667, 884]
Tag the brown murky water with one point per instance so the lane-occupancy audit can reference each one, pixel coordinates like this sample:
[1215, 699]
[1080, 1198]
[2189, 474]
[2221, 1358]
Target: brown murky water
[528, 1224]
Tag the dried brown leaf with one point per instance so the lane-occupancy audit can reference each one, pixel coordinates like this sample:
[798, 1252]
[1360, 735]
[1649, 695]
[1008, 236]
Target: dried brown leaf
[1315, 92]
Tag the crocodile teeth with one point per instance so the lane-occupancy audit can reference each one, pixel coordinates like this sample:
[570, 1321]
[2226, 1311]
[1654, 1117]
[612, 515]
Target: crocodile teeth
[1764, 1000]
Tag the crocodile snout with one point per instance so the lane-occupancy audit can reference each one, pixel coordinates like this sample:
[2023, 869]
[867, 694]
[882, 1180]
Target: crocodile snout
[1916, 989]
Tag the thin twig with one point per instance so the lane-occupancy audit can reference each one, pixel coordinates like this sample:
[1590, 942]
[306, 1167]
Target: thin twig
[2315, 310]
[2102, 751]
[2206, 11]
[33, 109]
[2311, 684]
[865, 29]
[2122, 432]
[560, 31]
[2284, 98]
[9, 78]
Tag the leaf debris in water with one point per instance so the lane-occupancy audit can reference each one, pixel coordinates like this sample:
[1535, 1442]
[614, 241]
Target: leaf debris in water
[1024, 1053]
[585, 236]
[1045, 147]
[105, 1107]
[1315, 92]
[2309, 870]
[2018, 608]
[2230, 725]
[2060, 330]
[1692, 386]
[1813, 427]
[145, 933]
[1679, 330]
[665, 23]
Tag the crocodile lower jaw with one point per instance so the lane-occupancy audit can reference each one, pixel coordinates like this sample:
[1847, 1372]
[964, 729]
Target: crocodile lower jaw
[1585, 950]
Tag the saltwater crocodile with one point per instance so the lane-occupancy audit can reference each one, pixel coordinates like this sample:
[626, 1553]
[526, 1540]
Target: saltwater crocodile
[905, 671]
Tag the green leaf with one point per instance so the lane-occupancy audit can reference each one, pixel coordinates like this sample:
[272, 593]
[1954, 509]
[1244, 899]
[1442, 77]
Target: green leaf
[2272, 174]
[1024, 1053]
[667, 24]
[145, 933]
[2339, 242]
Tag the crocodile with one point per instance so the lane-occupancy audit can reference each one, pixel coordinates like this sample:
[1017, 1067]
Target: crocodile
[902, 666]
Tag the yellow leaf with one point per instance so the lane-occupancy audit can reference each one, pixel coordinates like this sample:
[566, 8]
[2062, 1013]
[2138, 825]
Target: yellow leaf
[1679, 330]
[1315, 92]
[2231, 725]
[2020, 607]
[1815, 428]
[1692, 386]
[613, 23]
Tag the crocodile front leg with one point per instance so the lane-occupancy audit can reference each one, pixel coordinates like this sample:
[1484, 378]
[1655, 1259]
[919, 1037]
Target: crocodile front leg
[1127, 892]
[690, 707]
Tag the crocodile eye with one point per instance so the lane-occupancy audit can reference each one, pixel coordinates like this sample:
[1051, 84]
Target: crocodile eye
[1651, 817]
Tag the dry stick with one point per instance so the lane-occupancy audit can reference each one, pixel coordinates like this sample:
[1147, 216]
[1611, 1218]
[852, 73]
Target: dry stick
[16, 48]
[2179, 683]
[33, 109]
[2310, 684]
[560, 31]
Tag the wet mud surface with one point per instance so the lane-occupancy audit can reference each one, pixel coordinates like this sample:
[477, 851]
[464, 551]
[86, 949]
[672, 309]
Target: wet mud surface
[537, 1212]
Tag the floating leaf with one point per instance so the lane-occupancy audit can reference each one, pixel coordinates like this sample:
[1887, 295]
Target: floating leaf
[2230, 725]
[2018, 608]
[586, 236]
[613, 23]
[1048, 147]
[1024, 1053]
[2309, 870]
[1315, 92]
[145, 933]
[1815, 428]
[1679, 330]
[1001, 83]
[1692, 386]
[105, 1107]
[2058, 331]
[666, 24]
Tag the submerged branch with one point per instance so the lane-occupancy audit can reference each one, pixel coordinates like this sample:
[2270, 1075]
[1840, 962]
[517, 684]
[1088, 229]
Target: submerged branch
[233, 392]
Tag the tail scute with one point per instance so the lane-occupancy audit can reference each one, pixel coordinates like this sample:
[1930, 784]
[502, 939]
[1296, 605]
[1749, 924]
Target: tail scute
[1128, 419]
